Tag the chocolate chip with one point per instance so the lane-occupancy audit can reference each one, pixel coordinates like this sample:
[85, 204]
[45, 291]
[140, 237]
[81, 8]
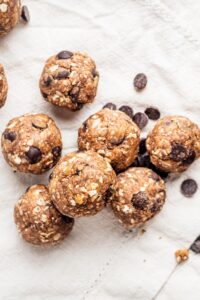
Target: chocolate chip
[161, 173]
[127, 110]
[64, 55]
[195, 247]
[79, 106]
[142, 146]
[56, 151]
[189, 187]
[178, 152]
[139, 200]
[190, 158]
[140, 81]
[152, 113]
[74, 96]
[84, 126]
[48, 81]
[34, 155]
[95, 73]
[50, 176]
[110, 105]
[62, 75]
[140, 120]
[11, 136]
[155, 207]
[25, 13]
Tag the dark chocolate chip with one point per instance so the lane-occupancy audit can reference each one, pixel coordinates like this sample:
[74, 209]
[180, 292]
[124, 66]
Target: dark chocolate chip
[95, 73]
[74, 96]
[161, 173]
[50, 176]
[142, 146]
[155, 207]
[127, 110]
[25, 13]
[48, 81]
[64, 55]
[190, 158]
[140, 120]
[11, 136]
[56, 151]
[189, 187]
[140, 81]
[195, 247]
[34, 155]
[152, 113]
[110, 105]
[139, 200]
[62, 75]
[84, 126]
[79, 106]
[178, 152]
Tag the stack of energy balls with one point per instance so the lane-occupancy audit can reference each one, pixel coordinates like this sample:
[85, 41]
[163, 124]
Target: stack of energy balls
[107, 168]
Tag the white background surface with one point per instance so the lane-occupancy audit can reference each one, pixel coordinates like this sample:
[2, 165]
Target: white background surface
[100, 260]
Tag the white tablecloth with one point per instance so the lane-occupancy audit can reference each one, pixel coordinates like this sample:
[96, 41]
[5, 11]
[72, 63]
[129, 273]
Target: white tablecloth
[99, 260]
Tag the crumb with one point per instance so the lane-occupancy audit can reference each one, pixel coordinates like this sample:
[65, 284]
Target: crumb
[142, 231]
[181, 255]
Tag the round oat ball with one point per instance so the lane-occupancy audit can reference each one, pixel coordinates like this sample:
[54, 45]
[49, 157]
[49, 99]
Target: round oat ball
[10, 11]
[69, 79]
[37, 219]
[113, 135]
[3, 86]
[80, 182]
[31, 143]
[174, 143]
[138, 195]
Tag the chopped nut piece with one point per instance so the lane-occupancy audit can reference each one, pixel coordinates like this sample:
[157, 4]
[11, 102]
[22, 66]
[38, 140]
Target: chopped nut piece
[181, 255]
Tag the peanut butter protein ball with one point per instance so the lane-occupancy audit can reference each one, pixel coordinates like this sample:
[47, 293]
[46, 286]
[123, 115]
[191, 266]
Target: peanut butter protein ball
[32, 143]
[138, 196]
[113, 135]
[37, 219]
[3, 86]
[10, 11]
[174, 143]
[69, 79]
[80, 182]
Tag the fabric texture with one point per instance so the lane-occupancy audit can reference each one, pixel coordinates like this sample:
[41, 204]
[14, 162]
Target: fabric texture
[100, 260]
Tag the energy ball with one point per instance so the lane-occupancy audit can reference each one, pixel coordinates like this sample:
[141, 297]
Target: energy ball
[174, 144]
[69, 80]
[3, 86]
[113, 135]
[32, 143]
[37, 219]
[80, 183]
[138, 195]
[10, 12]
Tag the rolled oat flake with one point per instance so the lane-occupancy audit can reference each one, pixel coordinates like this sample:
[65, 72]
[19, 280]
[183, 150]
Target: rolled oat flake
[189, 187]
